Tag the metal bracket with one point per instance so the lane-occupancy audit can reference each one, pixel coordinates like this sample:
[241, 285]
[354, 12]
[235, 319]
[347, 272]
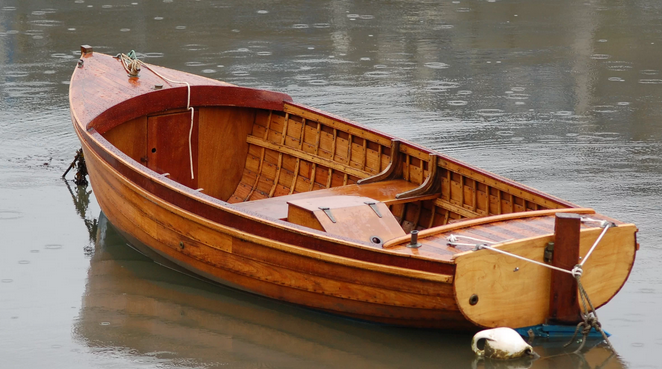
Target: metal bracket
[328, 213]
[549, 252]
[374, 208]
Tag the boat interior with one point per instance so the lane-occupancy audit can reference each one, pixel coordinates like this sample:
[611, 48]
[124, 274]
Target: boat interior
[316, 170]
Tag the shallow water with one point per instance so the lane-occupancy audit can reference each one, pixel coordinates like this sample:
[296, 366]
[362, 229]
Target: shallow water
[562, 96]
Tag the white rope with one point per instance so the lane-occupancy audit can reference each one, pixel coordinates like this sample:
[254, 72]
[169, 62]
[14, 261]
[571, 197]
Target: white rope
[480, 247]
[595, 244]
[132, 66]
[603, 223]
[453, 238]
[576, 271]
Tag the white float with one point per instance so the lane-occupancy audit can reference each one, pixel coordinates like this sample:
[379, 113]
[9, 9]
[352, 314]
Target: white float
[502, 344]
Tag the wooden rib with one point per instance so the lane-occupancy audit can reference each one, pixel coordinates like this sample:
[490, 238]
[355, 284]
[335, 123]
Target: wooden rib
[328, 180]
[475, 197]
[280, 156]
[296, 175]
[499, 207]
[349, 149]
[277, 177]
[344, 180]
[317, 139]
[431, 185]
[447, 216]
[296, 167]
[257, 178]
[418, 215]
[379, 157]
[461, 190]
[307, 156]
[406, 174]
[333, 145]
[486, 220]
[434, 211]
[449, 177]
[364, 160]
[312, 176]
[394, 168]
[285, 123]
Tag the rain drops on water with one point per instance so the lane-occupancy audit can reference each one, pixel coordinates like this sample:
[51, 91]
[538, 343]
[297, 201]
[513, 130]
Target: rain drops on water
[437, 65]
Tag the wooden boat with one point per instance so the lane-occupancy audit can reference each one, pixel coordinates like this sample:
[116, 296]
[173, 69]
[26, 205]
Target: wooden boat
[249, 189]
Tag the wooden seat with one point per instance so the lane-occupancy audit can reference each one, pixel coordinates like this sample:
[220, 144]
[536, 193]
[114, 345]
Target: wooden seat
[385, 191]
[357, 217]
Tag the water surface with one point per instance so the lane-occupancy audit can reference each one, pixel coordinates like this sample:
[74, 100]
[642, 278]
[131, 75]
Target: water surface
[562, 96]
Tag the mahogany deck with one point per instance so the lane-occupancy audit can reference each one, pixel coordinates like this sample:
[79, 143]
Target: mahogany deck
[254, 151]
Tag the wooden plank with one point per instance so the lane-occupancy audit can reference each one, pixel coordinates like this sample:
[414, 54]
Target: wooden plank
[130, 138]
[563, 303]
[465, 213]
[223, 148]
[308, 157]
[168, 146]
[415, 151]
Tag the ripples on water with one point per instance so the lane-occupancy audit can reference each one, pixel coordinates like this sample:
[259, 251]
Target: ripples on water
[562, 96]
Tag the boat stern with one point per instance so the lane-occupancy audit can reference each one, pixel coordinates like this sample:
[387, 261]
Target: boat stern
[495, 289]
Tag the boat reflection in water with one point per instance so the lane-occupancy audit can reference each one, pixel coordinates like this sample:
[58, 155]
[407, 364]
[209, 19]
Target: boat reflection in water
[143, 312]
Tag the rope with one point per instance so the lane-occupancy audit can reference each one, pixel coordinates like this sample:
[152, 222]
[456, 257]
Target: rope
[606, 227]
[451, 241]
[132, 66]
[591, 320]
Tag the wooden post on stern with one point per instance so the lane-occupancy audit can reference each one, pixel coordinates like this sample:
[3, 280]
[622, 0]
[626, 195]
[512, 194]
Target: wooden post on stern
[563, 299]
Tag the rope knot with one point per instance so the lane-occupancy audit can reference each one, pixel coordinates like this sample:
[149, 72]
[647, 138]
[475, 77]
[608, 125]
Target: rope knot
[577, 271]
[131, 63]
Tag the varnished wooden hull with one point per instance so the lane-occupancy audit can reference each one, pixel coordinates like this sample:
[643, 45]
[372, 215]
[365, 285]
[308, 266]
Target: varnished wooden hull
[250, 246]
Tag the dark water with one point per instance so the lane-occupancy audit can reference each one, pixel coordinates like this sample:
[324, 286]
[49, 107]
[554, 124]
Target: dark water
[563, 96]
